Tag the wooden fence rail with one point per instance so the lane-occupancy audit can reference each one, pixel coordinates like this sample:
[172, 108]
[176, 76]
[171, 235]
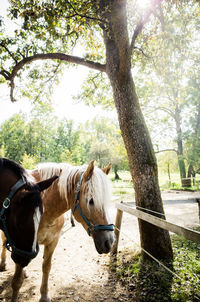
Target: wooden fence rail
[164, 224]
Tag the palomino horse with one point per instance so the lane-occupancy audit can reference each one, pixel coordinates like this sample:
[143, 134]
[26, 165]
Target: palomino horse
[86, 191]
[20, 214]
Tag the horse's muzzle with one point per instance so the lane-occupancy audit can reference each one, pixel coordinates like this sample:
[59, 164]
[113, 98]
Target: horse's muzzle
[103, 241]
[22, 257]
[22, 261]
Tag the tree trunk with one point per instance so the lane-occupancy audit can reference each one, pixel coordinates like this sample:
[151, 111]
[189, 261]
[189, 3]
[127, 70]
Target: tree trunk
[191, 174]
[137, 141]
[181, 162]
[168, 172]
[116, 174]
[195, 147]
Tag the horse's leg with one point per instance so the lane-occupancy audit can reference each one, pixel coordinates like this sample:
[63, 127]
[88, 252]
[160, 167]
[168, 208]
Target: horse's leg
[3, 254]
[17, 281]
[46, 267]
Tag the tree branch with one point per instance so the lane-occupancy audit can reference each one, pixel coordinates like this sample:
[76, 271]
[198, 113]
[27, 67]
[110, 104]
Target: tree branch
[51, 56]
[142, 22]
[141, 50]
[5, 74]
[61, 57]
[12, 86]
[165, 150]
[161, 17]
[83, 16]
[6, 48]
[169, 111]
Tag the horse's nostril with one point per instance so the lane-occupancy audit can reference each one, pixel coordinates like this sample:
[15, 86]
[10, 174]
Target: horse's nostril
[107, 245]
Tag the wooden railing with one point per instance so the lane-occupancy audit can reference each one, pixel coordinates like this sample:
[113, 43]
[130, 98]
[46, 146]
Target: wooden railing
[164, 224]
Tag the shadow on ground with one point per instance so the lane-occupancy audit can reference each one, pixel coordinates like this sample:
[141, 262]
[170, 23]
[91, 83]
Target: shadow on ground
[145, 281]
[109, 290]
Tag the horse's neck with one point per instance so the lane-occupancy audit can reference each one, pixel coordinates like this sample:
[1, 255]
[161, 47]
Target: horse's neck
[56, 202]
[67, 188]
[70, 196]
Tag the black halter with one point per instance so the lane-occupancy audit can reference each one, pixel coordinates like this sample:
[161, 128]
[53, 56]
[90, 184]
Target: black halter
[91, 227]
[9, 243]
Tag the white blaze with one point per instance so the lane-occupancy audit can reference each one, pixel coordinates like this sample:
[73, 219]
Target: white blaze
[36, 220]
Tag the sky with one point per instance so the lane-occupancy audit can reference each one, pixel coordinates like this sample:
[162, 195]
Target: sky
[64, 105]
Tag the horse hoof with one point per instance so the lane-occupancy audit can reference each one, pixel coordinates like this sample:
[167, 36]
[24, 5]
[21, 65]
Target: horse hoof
[44, 299]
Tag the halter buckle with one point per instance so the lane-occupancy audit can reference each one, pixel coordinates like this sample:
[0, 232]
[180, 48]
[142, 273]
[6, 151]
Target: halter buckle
[6, 203]
[8, 246]
[90, 229]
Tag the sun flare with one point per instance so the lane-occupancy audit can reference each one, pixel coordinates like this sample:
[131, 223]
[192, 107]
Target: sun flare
[143, 4]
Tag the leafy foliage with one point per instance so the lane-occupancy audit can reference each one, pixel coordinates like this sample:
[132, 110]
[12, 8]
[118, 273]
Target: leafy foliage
[167, 81]
[45, 138]
[147, 281]
[165, 62]
[95, 91]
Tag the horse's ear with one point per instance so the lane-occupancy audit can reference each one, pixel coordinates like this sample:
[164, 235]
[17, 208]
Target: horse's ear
[43, 185]
[106, 170]
[88, 173]
[35, 173]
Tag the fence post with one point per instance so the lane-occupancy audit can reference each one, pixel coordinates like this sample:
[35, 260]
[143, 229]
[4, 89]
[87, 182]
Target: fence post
[118, 222]
[198, 201]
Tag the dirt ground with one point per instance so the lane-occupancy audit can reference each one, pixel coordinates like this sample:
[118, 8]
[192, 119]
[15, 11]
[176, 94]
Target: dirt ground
[78, 272]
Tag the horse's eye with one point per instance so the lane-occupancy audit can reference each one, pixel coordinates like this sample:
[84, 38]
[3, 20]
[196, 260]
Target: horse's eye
[91, 202]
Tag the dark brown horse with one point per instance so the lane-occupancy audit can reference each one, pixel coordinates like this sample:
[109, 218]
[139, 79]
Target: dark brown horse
[20, 214]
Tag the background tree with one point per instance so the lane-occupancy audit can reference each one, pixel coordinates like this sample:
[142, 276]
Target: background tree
[40, 132]
[193, 132]
[167, 163]
[33, 140]
[66, 141]
[12, 137]
[171, 57]
[106, 144]
[29, 162]
[99, 139]
[2, 151]
[100, 152]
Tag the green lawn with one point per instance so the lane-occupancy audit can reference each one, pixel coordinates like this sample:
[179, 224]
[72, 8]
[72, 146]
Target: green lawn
[123, 189]
[149, 282]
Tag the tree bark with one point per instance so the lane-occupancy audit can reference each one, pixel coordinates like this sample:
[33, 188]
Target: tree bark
[135, 134]
[181, 163]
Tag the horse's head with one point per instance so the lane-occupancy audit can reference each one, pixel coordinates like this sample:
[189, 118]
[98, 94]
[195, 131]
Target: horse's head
[20, 214]
[91, 198]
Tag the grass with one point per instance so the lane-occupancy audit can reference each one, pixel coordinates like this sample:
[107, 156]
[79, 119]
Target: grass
[150, 282]
[123, 189]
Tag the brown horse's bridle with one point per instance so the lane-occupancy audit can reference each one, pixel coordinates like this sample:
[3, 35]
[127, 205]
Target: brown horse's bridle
[9, 243]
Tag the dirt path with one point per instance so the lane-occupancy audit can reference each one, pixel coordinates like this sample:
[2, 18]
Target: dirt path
[79, 273]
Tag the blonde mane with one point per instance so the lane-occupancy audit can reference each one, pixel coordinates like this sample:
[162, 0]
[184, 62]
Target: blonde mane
[98, 187]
